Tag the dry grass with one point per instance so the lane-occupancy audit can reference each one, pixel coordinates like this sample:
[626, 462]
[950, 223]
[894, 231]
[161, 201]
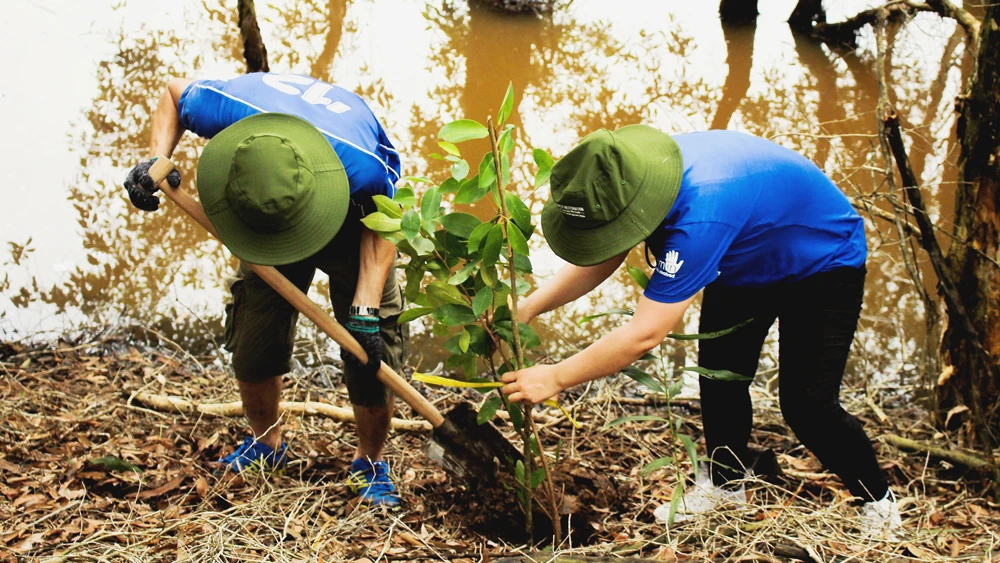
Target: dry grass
[65, 404]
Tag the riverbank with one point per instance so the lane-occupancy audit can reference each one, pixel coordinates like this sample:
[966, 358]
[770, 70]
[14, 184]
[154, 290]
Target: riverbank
[154, 494]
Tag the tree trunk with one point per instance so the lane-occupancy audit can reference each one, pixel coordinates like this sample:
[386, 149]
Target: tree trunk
[972, 262]
[805, 14]
[738, 11]
[253, 45]
[739, 60]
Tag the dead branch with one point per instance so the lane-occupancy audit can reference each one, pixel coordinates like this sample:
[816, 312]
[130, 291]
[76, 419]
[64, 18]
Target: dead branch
[846, 32]
[166, 403]
[867, 206]
[952, 456]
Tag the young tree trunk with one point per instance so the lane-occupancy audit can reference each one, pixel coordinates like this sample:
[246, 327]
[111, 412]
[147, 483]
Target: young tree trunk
[805, 14]
[253, 45]
[738, 11]
[969, 380]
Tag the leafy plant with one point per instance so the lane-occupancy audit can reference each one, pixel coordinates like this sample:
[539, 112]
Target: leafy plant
[466, 274]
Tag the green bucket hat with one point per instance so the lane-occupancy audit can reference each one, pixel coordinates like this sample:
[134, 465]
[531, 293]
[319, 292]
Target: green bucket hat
[610, 193]
[274, 188]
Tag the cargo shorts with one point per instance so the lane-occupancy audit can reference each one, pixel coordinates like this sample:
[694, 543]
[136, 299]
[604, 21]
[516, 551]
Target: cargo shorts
[260, 323]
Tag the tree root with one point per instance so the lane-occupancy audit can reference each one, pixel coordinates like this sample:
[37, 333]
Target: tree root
[166, 403]
[953, 456]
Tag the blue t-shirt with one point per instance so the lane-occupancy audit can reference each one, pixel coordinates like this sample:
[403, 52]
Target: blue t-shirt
[749, 213]
[372, 164]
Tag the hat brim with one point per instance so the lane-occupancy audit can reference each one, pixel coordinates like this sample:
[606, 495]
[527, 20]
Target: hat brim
[321, 220]
[662, 169]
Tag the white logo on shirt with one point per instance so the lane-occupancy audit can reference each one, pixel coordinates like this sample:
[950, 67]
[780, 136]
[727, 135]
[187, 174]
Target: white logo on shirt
[315, 94]
[669, 265]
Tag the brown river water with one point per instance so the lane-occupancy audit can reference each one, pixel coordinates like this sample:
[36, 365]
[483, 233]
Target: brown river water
[86, 76]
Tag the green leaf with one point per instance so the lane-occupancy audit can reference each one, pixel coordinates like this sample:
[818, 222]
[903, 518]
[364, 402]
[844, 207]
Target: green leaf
[460, 170]
[518, 212]
[638, 275]
[381, 223]
[481, 302]
[506, 106]
[487, 171]
[450, 185]
[709, 335]
[719, 374]
[410, 225]
[516, 416]
[675, 502]
[449, 148]
[454, 315]
[405, 197]
[462, 130]
[635, 418]
[494, 242]
[391, 208]
[543, 159]
[443, 292]
[460, 276]
[615, 311]
[544, 162]
[643, 378]
[470, 191]
[477, 236]
[414, 313]
[114, 463]
[516, 239]
[519, 471]
[692, 451]
[537, 476]
[489, 275]
[506, 142]
[463, 341]
[460, 224]
[422, 245]
[489, 409]
[430, 205]
[656, 464]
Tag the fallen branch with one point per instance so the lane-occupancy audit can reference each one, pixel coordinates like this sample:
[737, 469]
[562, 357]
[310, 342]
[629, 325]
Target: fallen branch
[952, 456]
[166, 403]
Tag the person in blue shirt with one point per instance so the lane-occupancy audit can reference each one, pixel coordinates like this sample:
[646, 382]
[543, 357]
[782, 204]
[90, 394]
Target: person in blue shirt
[291, 168]
[767, 236]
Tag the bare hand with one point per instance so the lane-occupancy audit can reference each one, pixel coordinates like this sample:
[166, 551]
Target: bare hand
[532, 385]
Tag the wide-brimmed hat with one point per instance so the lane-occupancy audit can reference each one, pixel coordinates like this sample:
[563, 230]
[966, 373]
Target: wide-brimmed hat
[274, 188]
[610, 193]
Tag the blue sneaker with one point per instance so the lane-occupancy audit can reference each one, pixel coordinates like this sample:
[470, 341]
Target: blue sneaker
[371, 482]
[255, 456]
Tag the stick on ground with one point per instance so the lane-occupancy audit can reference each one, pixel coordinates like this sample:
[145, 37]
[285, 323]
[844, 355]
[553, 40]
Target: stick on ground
[166, 403]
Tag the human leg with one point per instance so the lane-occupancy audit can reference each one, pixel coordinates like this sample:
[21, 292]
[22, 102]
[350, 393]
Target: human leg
[817, 323]
[260, 332]
[727, 413]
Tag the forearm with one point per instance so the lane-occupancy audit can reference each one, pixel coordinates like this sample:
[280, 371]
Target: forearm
[165, 126]
[614, 352]
[568, 284]
[376, 261]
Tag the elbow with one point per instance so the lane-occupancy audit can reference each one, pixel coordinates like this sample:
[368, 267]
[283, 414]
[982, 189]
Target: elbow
[644, 342]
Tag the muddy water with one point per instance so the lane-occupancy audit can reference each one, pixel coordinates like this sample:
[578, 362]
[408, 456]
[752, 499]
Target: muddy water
[76, 110]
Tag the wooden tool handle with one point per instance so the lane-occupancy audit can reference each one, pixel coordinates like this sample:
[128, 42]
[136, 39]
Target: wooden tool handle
[158, 172]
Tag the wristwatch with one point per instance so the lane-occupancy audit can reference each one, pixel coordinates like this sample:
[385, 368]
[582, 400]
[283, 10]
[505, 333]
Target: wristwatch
[364, 311]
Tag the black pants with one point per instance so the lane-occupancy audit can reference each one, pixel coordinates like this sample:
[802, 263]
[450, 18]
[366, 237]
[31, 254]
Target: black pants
[817, 320]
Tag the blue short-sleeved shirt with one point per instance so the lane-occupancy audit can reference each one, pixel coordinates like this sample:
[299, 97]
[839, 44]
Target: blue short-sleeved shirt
[750, 213]
[372, 164]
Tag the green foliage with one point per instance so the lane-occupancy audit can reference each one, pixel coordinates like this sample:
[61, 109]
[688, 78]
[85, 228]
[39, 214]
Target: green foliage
[461, 271]
[114, 463]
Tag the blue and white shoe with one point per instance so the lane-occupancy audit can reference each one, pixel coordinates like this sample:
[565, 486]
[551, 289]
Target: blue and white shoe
[371, 482]
[256, 456]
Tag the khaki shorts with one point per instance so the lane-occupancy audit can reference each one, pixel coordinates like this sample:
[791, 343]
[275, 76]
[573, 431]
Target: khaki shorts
[260, 324]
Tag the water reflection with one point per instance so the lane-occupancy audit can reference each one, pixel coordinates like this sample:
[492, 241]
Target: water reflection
[573, 73]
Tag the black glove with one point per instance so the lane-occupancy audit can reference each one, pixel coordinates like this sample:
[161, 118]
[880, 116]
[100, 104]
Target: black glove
[140, 185]
[364, 329]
